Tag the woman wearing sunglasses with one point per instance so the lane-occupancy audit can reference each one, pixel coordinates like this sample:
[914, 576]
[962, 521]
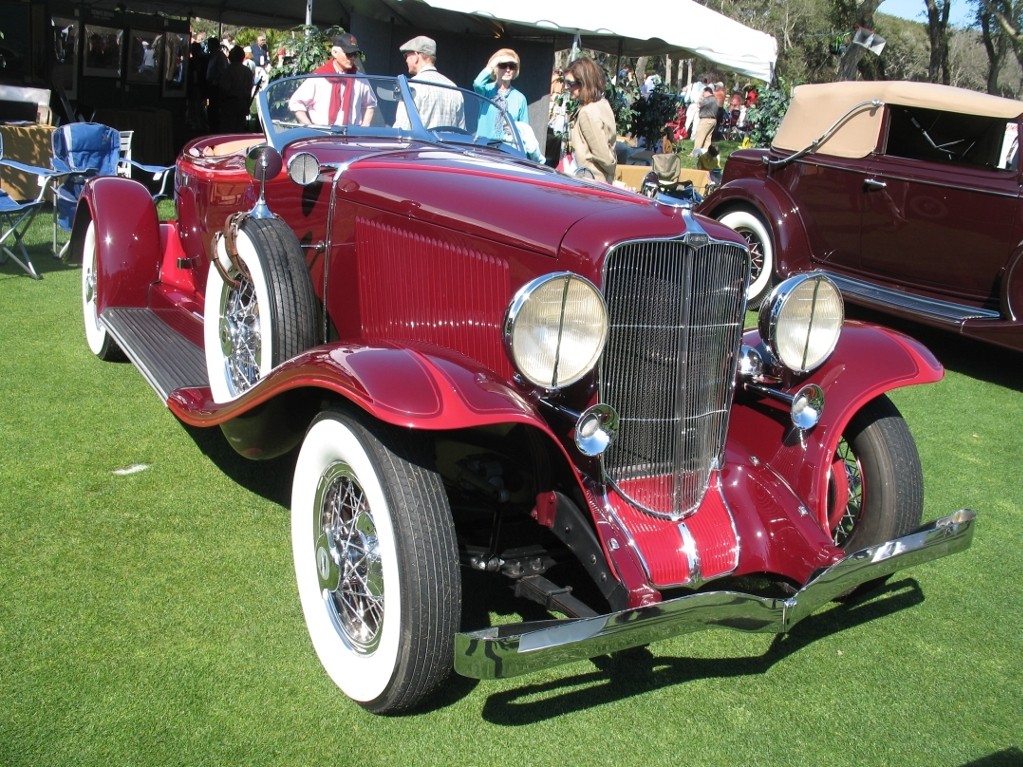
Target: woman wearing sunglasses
[594, 132]
[495, 83]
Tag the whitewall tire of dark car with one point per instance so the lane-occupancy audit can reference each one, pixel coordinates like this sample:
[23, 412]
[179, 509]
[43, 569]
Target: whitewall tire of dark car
[264, 315]
[375, 560]
[755, 231]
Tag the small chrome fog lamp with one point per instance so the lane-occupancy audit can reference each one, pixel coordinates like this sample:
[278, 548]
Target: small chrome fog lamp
[807, 406]
[801, 321]
[304, 169]
[596, 429]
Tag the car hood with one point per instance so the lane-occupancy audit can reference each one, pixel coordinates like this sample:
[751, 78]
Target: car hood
[489, 195]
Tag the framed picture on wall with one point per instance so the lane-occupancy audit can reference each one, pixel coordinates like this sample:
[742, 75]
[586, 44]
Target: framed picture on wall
[145, 54]
[102, 51]
[65, 52]
[174, 73]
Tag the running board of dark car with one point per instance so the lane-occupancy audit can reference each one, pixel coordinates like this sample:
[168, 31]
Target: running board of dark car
[876, 296]
[510, 650]
[166, 359]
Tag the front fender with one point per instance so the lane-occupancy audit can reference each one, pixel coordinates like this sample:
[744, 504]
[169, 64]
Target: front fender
[397, 385]
[127, 232]
[791, 245]
[867, 362]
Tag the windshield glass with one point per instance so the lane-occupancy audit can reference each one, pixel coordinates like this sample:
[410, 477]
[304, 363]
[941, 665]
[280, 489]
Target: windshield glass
[385, 107]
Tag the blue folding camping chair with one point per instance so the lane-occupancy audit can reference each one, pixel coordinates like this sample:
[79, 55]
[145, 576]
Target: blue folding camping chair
[81, 150]
[84, 150]
[16, 216]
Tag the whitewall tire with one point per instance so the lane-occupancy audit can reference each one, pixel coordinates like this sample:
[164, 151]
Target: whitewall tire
[96, 335]
[264, 316]
[375, 561]
[761, 246]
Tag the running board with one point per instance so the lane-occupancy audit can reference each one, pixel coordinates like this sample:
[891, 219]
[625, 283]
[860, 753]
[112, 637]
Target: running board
[510, 650]
[934, 309]
[166, 359]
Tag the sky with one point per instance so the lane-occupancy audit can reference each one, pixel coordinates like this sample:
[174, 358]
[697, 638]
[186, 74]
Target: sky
[915, 10]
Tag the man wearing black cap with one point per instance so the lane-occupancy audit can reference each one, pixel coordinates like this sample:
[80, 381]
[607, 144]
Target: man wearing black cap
[335, 100]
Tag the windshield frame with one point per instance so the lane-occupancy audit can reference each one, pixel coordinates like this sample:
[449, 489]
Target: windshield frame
[281, 128]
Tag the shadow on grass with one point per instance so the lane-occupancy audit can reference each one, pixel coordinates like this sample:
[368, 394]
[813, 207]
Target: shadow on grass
[968, 356]
[42, 259]
[268, 479]
[637, 671]
[1009, 757]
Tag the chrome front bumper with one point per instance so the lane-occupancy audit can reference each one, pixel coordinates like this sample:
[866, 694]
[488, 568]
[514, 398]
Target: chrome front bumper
[510, 650]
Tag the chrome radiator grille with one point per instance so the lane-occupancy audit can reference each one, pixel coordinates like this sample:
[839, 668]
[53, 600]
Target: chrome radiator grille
[676, 316]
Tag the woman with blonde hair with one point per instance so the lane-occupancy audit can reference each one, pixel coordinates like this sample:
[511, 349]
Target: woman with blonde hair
[594, 133]
[495, 83]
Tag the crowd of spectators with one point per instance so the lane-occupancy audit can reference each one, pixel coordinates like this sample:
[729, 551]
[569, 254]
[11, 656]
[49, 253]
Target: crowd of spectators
[219, 93]
[226, 75]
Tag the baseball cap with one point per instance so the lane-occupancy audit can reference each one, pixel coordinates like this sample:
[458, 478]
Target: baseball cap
[347, 43]
[421, 44]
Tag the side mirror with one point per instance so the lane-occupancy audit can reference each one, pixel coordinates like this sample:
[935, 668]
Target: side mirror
[262, 162]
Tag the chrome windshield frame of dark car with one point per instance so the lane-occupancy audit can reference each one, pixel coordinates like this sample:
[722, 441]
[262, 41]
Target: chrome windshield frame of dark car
[281, 128]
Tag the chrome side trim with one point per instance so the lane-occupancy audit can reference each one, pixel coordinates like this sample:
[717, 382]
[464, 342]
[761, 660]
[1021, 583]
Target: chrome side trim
[877, 296]
[510, 650]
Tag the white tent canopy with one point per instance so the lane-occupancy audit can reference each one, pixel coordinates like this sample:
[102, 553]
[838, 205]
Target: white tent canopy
[630, 28]
[637, 27]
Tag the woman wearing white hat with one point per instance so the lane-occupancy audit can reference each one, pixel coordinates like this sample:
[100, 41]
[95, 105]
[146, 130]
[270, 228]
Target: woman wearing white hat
[495, 83]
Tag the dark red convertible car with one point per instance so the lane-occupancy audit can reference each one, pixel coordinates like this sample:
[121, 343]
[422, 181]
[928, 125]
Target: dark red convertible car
[487, 366]
[907, 195]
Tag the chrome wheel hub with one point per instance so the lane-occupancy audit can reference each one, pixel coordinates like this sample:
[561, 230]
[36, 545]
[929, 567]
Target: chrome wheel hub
[348, 560]
[241, 334]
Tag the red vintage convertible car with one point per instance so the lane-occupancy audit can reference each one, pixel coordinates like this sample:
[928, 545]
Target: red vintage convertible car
[907, 195]
[485, 365]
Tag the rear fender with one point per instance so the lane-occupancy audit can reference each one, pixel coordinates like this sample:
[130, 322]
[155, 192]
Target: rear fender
[127, 239]
[1012, 286]
[868, 362]
[776, 208]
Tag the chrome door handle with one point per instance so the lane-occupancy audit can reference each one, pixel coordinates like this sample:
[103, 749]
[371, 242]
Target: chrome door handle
[873, 183]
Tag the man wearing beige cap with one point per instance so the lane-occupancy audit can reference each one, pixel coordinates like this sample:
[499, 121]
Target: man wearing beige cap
[437, 106]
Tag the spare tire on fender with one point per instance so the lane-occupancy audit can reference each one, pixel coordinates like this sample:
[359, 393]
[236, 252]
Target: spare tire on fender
[263, 314]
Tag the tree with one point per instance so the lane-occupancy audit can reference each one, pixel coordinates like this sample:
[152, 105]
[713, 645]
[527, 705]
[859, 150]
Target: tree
[1001, 21]
[849, 64]
[937, 29]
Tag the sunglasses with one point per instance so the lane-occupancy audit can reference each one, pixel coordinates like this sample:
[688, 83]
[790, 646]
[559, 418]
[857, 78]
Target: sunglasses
[571, 83]
[508, 65]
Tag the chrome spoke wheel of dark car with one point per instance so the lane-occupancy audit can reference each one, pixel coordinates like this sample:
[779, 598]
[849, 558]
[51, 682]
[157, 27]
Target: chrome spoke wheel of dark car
[262, 314]
[375, 560]
[761, 249]
[876, 483]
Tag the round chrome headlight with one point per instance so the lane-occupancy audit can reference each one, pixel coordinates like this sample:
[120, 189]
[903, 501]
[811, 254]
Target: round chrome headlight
[555, 329]
[801, 321]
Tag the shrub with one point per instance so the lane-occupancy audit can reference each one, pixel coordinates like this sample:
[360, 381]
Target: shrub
[653, 113]
[765, 116]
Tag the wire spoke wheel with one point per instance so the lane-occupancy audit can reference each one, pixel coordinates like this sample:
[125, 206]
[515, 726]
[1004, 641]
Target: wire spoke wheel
[375, 560]
[348, 554]
[263, 314]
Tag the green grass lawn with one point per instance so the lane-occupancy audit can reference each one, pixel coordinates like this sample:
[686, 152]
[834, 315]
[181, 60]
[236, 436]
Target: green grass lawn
[149, 615]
